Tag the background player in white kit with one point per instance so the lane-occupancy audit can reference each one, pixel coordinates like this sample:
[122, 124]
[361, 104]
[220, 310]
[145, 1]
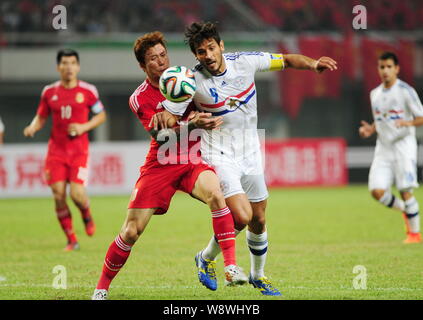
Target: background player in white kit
[225, 87]
[397, 110]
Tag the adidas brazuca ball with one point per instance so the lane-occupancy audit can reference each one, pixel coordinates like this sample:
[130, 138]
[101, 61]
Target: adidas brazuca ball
[177, 84]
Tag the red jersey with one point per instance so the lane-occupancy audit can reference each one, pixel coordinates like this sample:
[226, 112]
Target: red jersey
[68, 106]
[145, 102]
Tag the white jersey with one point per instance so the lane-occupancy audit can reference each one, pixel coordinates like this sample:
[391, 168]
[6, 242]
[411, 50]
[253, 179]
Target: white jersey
[1, 126]
[231, 94]
[388, 105]
[395, 155]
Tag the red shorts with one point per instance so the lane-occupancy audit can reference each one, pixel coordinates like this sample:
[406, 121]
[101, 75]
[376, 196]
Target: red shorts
[71, 169]
[157, 185]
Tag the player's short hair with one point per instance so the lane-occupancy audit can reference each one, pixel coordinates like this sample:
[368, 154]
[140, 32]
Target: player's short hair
[145, 42]
[66, 53]
[197, 32]
[389, 55]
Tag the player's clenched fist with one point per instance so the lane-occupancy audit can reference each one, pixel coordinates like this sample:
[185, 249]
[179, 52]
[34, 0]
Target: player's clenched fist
[29, 131]
[76, 129]
[366, 129]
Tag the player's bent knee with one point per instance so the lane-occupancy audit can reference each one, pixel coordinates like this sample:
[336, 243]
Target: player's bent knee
[259, 221]
[215, 196]
[59, 195]
[130, 233]
[406, 193]
[377, 193]
[78, 197]
[241, 220]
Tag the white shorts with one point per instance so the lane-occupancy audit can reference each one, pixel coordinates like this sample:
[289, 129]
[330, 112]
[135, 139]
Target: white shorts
[385, 172]
[245, 176]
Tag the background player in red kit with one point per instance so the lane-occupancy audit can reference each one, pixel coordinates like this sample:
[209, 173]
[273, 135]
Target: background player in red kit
[158, 181]
[69, 101]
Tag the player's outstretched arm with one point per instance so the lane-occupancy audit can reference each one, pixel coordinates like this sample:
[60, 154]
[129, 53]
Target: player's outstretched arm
[299, 61]
[36, 125]
[416, 122]
[76, 129]
[366, 129]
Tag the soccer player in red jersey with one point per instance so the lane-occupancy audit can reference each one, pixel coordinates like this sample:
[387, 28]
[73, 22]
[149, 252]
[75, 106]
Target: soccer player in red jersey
[69, 101]
[159, 181]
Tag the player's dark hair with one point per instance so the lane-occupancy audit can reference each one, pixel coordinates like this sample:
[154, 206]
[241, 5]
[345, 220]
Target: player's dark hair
[66, 53]
[145, 42]
[197, 32]
[389, 55]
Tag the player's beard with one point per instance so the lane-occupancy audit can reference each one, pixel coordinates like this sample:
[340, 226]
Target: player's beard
[216, 70]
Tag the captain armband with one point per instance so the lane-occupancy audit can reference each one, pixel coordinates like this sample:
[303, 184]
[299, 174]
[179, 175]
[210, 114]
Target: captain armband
[97, 107]
[276, 62]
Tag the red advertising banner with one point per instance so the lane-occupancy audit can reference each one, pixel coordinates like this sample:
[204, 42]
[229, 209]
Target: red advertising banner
[306, 162]
[114, 167]
[371, 49]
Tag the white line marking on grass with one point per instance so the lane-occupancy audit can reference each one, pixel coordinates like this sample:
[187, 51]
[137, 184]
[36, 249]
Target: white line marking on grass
[42, 285]
[199, 286]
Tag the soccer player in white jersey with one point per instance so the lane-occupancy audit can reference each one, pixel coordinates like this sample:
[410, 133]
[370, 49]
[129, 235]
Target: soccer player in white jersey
[397, 110]
[225, 87]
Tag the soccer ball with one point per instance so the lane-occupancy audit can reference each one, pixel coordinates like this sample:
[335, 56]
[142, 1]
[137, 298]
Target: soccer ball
[177, 84]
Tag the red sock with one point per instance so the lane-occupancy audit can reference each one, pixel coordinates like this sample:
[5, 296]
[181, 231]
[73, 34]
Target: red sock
[65, 220]
[223, 226]
[116, 257]
[85, 212]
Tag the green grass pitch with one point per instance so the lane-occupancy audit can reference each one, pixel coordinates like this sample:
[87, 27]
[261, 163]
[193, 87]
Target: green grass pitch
[316, 237]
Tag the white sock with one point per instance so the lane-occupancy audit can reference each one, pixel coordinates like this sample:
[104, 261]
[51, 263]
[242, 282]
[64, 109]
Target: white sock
[257, 243]
[389, 200]
[412, 215]
[213, 248]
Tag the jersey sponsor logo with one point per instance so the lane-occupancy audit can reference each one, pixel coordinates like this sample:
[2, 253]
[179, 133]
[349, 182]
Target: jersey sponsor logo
[79, 98]
[54, 98]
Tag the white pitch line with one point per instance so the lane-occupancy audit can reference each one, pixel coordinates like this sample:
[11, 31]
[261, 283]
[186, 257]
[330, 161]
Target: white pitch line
[198, 286]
